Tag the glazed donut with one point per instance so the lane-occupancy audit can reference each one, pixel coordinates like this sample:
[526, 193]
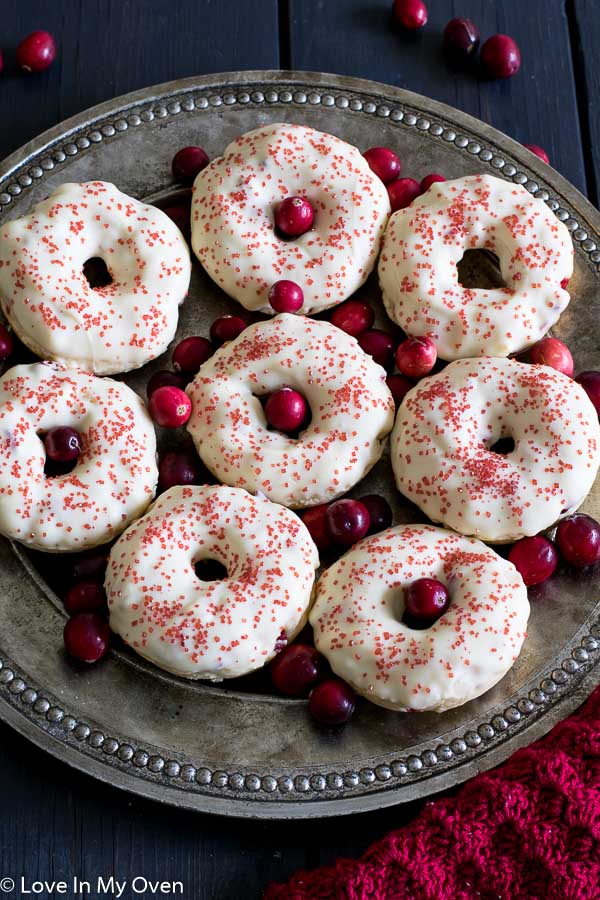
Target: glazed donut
[211, 629]
[48, 300]
[442, 457]
[424, 242]
[234, 205]
[357, 619]
[352, 411]
[116, 474]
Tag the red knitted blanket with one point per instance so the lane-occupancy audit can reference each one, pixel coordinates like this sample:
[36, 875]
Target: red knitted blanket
[528, 829]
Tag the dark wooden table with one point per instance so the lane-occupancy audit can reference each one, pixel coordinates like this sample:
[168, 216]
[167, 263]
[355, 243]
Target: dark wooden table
[55, 823]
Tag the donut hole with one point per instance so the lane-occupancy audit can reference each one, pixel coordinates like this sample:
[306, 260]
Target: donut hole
[209, 569]
[480, 269]
[96, 273]
[503, 446]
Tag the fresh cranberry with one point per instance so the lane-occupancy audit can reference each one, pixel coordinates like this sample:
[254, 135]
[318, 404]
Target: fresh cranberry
[315, 520]
[535, 558]
[500, 56]
[402, 192]
[332, 702]
[191, 353]
[36, 52]
[169, 407]
[164, 378]
[189, 162]
[564, 283]
[178, 467]
[426, 182]
[426, 600]
[410, 14]
[552, 352]
[63, 444]
[180, 212]
[416, 356]
[6, 343]
[539, 151]
[380, 512]
[87, 637]
[294, 216]
[461, 40]
[85, 596]
[226, 328]
[295, 669]
[1, 61]
[286, 409]
[380, 345]
[399, 386]
[384, 163]
[89, 565]
[348, 521]
[590, 382]
[578, 539]
[286, 296]
[353, 316]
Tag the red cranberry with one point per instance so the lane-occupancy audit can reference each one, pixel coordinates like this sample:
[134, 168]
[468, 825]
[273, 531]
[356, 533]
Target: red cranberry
[286, 409]
[87, 637]
[590, 382]
[535, 558]
[410, 14]
[188, 162]
[399, 385]
[384, 163]
[402, 192]
[332, 702]
[85, 596]
[294, 216]
[295, 669]
[36, 52]
[353, 316]
[286, 296]
[380, 345]
[164, 378]
[89, 565]
[178, 467]
[416, 356]
[1, 61]
[564, 283]
[226, 328]
[426, 600]
[539, 151]
[552, 352]
[348, 521]
[6, 343]
[426, 182]
[500, 57]
[315, 520]
[461, 40]
[191, 353]
[180, 213]
[578, 539]
[169, 407]
[380, 512]
[62, 444]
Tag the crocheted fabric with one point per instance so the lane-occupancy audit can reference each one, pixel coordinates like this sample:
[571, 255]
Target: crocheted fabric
[528, 829]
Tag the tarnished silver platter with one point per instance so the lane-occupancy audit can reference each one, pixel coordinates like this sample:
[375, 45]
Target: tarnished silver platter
[230, 751]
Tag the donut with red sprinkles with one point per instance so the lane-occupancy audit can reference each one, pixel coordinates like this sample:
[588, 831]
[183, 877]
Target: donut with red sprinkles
[358, 622]
[211, 629]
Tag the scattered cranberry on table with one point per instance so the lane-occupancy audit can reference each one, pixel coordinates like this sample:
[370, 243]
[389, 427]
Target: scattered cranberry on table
[348, 521]
[315, 520]
[85, 596]
[402, 192]
[500, 57]
[399, 386]
[590, 382]
[535, 558]
[1, 62]
[87, 637]
[62, 444]
[286, 296]
[461, 41]
[36, 52]
[295, 669]
[332, 702]
[178, 467]
[294, 216]
[380, 345]
[180, 213]
[165, 378]
[188, 163]
[416, 356]
[426, 182]
[384, 163]
[89, 565]
[578, 539]
[552, 352]
[191, 353]
[170, 407]
[539, 151]
[410, 14]
[353, 316]
[286, 410]
[226, 328]
[380, 512]
[6, 343]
